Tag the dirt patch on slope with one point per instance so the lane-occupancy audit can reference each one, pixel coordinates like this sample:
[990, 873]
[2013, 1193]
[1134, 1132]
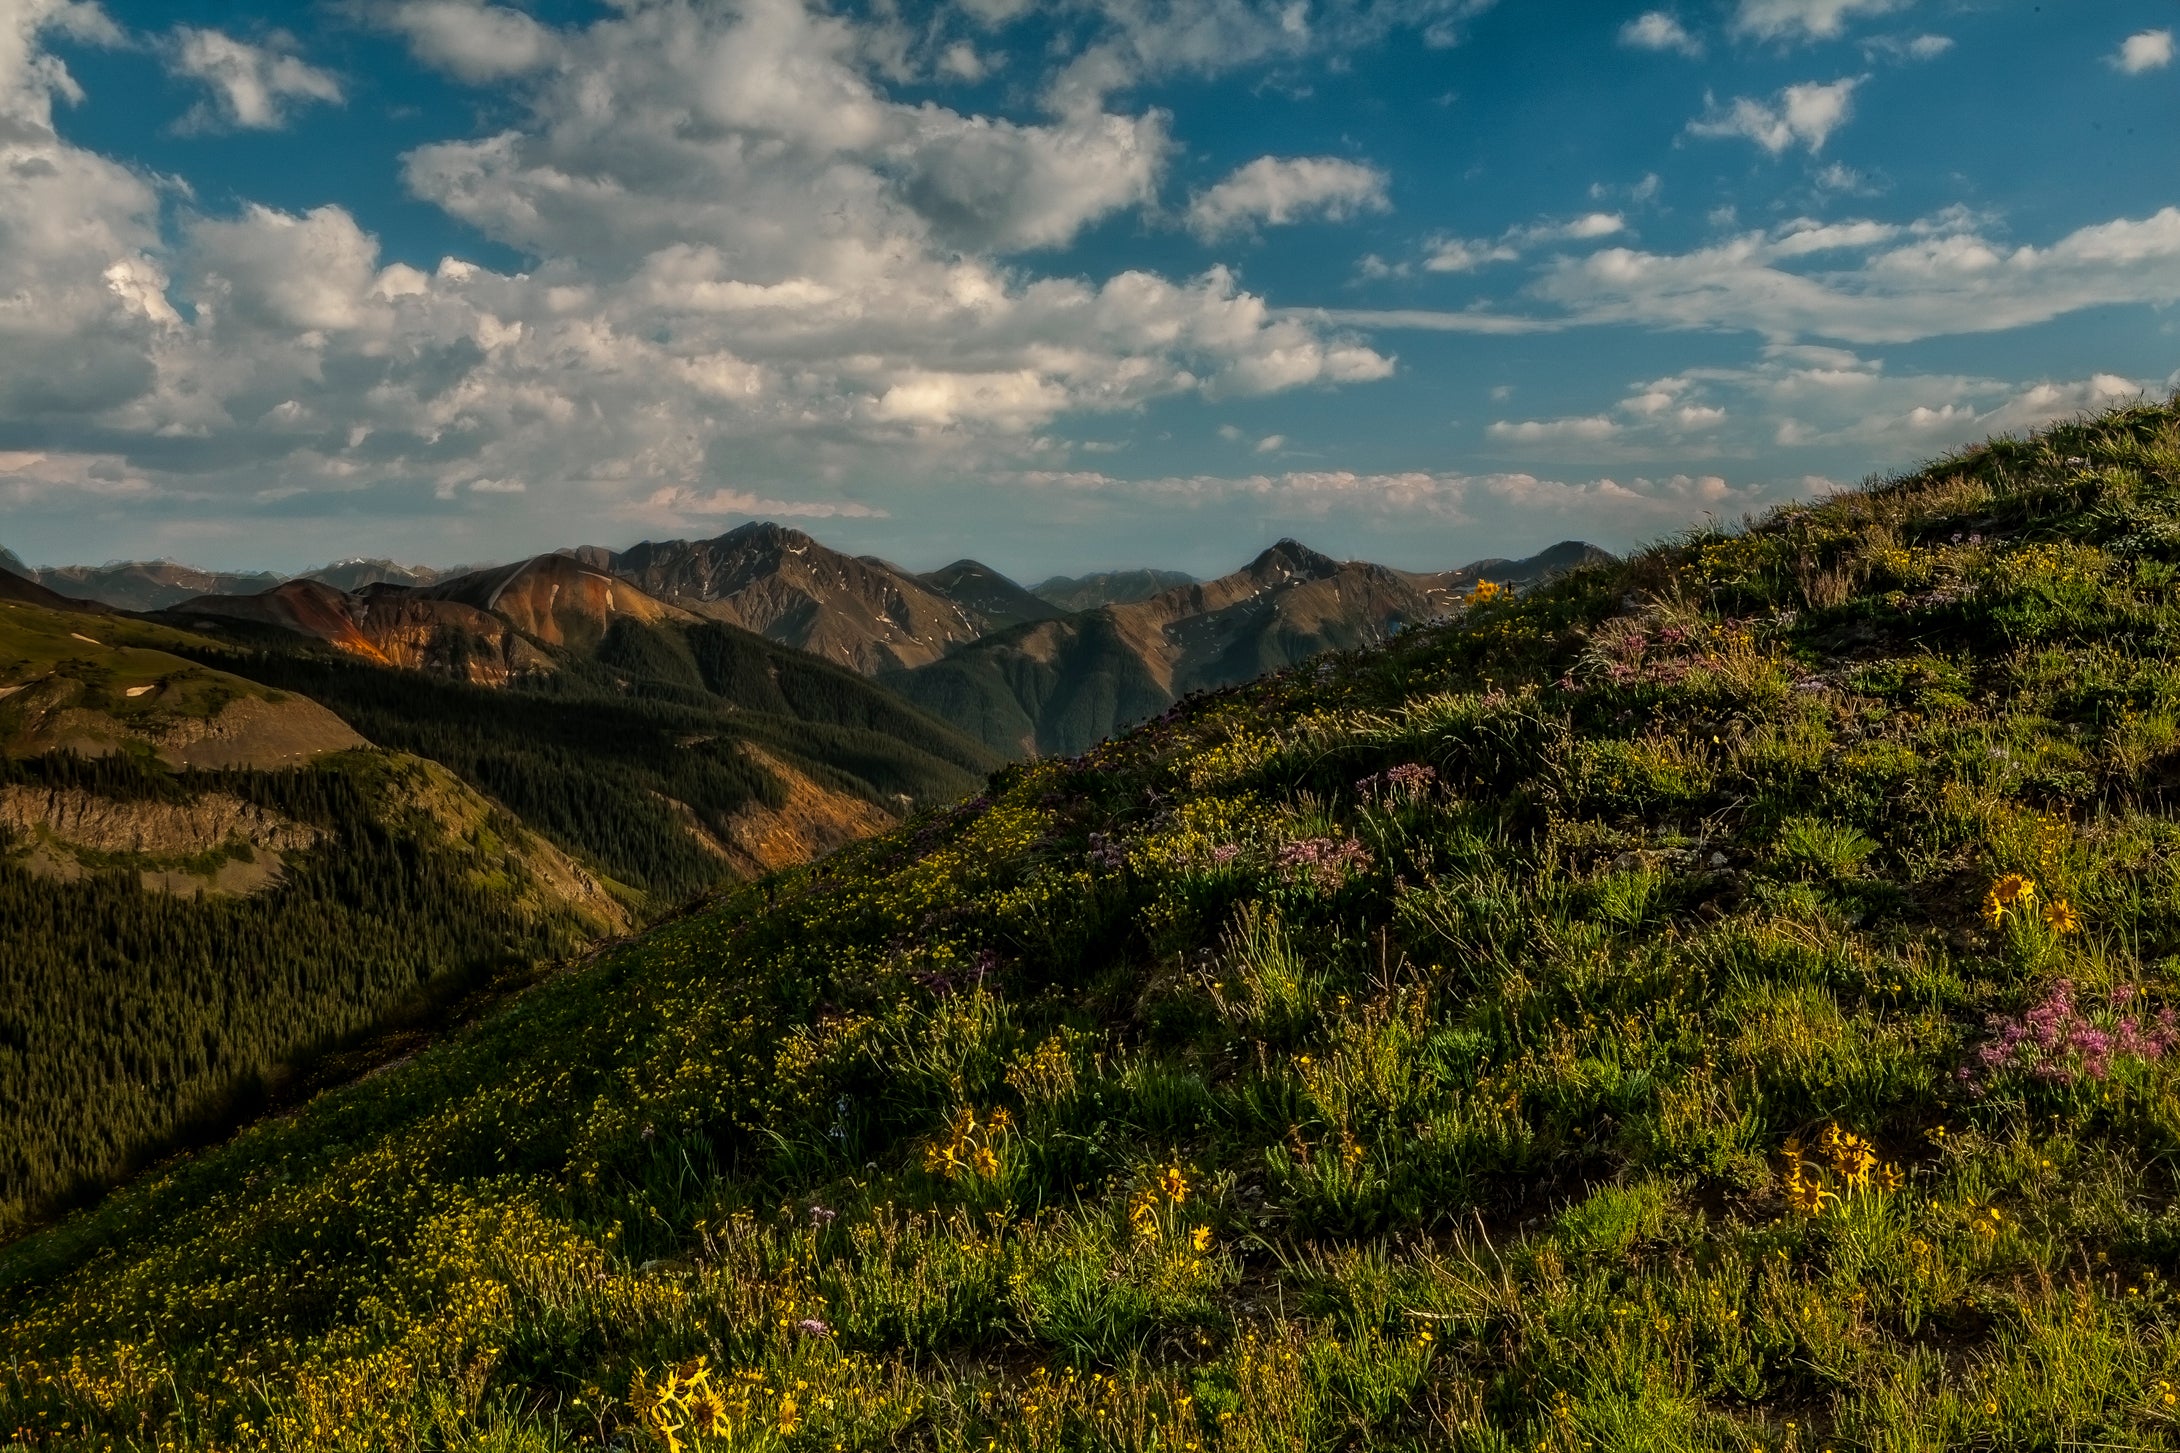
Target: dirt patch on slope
[236, 876]
[813, 821]
[251, 732]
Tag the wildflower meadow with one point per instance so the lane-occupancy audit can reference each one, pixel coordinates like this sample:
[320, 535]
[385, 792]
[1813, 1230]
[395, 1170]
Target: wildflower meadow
[1723, 1000]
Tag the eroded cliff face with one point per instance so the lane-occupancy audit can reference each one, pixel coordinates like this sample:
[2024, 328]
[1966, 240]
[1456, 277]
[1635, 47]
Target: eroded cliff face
[388, 626]
[113, 825]
[213, 843]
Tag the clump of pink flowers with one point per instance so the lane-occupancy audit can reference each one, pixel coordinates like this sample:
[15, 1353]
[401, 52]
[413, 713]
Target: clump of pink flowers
[1408, 782]
[1325, 861]
[2062, 1040]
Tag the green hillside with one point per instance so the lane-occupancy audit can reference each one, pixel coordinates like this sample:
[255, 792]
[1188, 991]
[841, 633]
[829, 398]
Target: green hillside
[619, 749]
[1720, 1000]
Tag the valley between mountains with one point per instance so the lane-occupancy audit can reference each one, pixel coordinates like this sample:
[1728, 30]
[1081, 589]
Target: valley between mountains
[248, 821]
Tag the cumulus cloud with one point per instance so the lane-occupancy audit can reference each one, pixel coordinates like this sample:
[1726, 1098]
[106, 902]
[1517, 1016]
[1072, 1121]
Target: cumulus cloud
[1804, 115]
[754, 279]
[310, 273]
[475, 42]
[1660, 30]
[1804, 20]
[1274, 191]
[992, 184]
[252, 87]
[82, 299]
[2145, 50]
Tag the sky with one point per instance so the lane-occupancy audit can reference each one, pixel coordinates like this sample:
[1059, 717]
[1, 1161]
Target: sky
[1058, 284]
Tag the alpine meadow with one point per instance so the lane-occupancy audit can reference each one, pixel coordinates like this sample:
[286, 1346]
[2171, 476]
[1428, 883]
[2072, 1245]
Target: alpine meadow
[1718, 999]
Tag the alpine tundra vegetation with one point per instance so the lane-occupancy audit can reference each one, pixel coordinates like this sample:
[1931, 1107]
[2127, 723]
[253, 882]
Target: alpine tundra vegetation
[1720, 1000]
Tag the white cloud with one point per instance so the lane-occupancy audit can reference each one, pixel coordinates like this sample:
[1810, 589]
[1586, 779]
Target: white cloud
[1582, 229]
[1274, 191]
[1133, 41]
[1513, 502]
[1806, 115]
[1907, 47]
[1478, 320]
[1842, 180]
[756, 283]
[1554, 431]
[1941, 275]
[1804, 20]
[82, 299]
[1462, 254]
[1660, 30]
[1271, 443]
[476, 42]
[1839, 405]
[310, 273]
[675, 503]
[2145, 50]
[961, 61]
[253, 87]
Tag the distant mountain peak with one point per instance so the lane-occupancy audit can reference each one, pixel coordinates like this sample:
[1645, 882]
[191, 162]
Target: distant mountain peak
[1291, 557]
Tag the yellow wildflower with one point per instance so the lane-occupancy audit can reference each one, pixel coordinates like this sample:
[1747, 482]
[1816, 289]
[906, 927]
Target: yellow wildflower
[2010, 893]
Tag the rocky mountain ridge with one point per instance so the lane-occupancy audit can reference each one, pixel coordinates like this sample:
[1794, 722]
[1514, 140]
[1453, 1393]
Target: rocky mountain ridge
[1059, 686]
[1050, 669]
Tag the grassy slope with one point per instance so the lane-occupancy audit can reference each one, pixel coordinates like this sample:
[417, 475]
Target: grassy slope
[108, 655]
[588, 755]
[1345, 1104]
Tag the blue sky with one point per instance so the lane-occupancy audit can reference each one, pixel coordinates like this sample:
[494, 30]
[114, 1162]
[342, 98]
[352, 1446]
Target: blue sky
[1060, 285]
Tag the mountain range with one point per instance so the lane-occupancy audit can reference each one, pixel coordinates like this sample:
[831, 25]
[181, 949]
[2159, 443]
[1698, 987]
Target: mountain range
[156, 584]
[1057, 687]
[1050, 669]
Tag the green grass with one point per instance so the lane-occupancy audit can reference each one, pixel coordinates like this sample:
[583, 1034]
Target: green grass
[98, 660]
[1616, 1019]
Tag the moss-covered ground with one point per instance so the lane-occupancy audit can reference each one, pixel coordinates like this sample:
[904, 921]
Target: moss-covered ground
[1717, 1001]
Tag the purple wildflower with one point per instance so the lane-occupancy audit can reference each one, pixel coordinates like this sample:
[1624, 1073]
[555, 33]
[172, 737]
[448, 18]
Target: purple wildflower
[1323, 861]
[2060, 1041]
